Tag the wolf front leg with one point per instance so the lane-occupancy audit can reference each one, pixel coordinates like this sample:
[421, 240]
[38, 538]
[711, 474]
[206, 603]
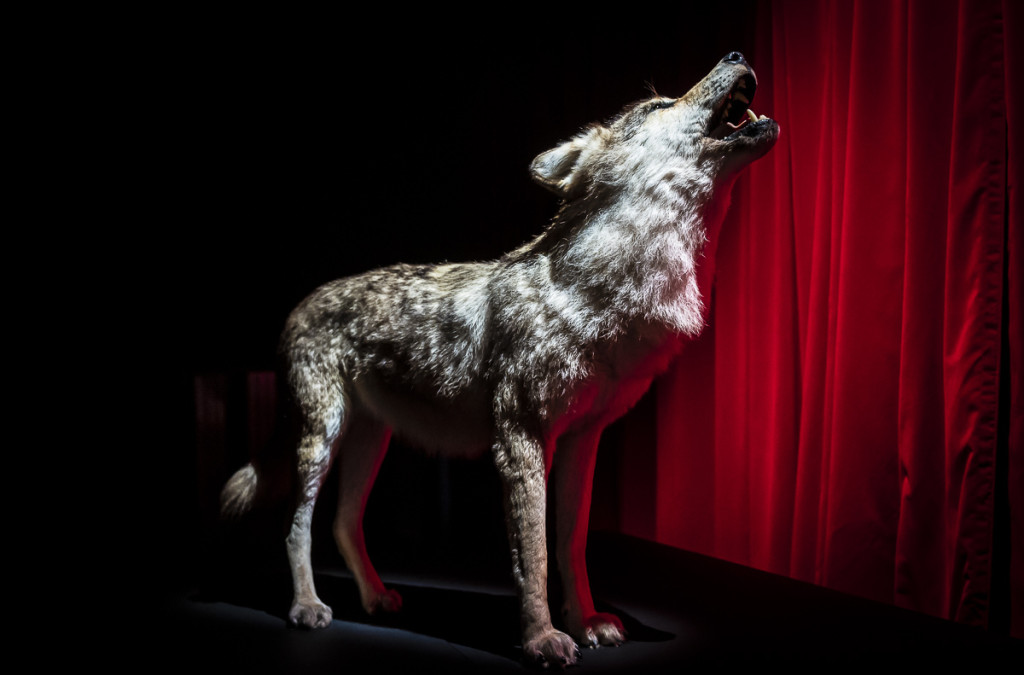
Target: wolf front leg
[573, 484]
[519, 457]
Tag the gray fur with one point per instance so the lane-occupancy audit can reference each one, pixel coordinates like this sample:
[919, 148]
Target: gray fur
[528, 356]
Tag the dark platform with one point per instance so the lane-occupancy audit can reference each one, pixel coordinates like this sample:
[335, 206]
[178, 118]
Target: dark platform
[682, 611]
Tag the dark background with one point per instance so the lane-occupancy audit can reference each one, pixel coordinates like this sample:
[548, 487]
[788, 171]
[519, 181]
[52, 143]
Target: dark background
[266, 155]
[233, 162]
[289, 157]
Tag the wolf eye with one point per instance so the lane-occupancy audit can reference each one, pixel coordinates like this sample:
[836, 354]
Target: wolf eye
[660, 105]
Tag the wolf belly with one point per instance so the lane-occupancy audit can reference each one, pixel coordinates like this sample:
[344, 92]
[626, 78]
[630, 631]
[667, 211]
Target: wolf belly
[457, 426]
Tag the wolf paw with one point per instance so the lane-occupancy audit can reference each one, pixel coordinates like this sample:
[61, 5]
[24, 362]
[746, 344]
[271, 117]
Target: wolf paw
[599, 629]
[386, 602]
[552, 648]
[310, 614]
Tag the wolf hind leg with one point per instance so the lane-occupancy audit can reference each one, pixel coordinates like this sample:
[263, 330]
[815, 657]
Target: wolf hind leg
[323, 422]
[360, 454]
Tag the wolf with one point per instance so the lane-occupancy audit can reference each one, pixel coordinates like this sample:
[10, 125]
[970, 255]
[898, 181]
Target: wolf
[527, 357]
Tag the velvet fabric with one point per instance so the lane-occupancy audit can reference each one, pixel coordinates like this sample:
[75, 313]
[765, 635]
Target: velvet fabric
[852, 414]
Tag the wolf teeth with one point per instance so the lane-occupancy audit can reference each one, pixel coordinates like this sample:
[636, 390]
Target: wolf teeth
[752, 116]
[740, 97]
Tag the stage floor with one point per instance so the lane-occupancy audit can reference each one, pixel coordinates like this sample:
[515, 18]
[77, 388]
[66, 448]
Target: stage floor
[682, 611]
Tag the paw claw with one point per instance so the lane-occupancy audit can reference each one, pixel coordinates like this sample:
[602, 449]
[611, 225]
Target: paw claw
[600, 630]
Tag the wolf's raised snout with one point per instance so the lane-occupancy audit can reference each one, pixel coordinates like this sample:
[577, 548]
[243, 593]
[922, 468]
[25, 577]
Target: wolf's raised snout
[527, 357]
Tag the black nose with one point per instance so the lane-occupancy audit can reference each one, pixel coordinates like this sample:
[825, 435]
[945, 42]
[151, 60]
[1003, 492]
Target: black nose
[734, 57]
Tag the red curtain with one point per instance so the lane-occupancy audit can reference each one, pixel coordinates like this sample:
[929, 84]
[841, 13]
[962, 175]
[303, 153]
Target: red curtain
[866, 324]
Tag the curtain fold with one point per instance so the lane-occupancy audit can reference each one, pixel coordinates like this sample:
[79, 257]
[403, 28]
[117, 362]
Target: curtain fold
[1013, 366]
[866, 322]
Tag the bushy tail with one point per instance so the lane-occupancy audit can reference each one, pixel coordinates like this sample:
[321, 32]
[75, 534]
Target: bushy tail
[239, 493]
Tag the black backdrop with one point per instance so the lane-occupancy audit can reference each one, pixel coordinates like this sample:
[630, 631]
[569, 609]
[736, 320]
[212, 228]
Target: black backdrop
[265, 155]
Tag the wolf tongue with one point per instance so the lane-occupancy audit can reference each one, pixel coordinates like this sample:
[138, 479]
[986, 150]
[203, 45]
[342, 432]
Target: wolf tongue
[735, 111]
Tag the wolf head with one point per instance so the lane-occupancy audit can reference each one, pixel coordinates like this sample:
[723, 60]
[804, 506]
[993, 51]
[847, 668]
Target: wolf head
[704, 137]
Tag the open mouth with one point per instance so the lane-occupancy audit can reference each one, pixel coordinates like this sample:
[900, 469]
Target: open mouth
[733, 116]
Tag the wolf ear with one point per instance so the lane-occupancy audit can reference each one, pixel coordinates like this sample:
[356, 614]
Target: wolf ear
[562, 169]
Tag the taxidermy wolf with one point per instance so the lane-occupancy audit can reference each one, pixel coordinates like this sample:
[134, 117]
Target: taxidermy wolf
[527, 357]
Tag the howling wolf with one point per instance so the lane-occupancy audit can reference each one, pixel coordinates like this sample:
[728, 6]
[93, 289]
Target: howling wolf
[528, 357]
